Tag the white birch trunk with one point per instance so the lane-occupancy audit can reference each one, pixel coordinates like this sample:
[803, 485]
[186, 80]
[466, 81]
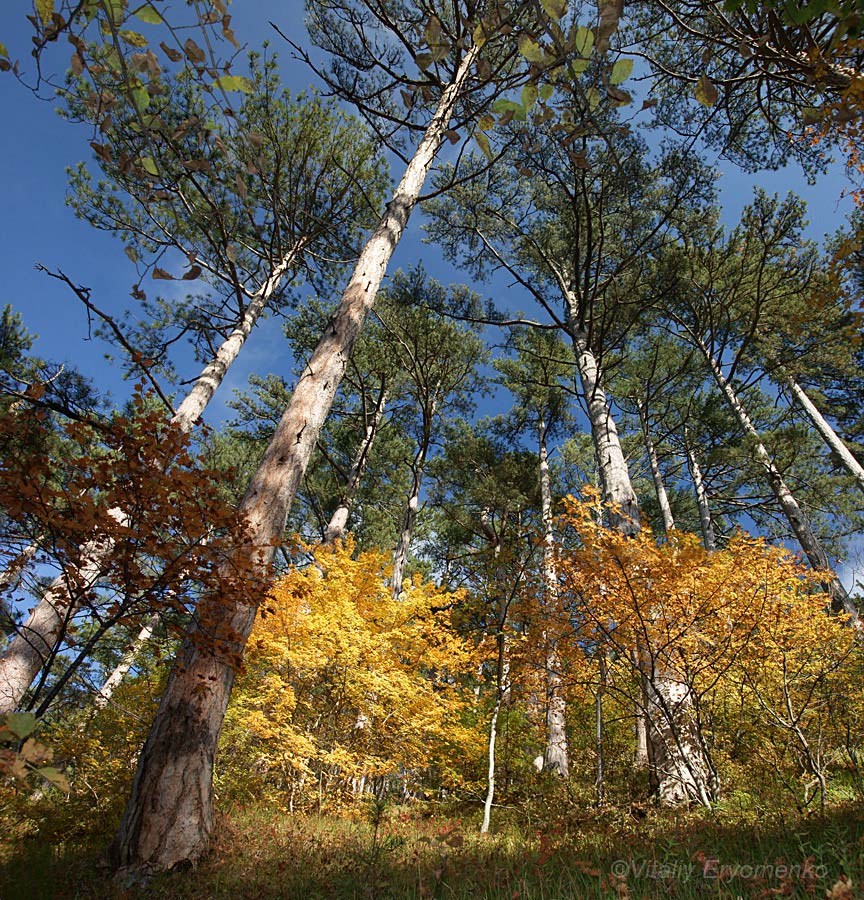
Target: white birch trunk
[709, 539]
[826, 432]
[798, 522]
[339, 520]
[169, 815]
[555, 756]
[656, 474]
[36, 641]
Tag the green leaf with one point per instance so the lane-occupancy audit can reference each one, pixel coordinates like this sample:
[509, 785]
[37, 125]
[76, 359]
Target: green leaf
[530, 49]
[20, 723]
[486, 122]
[149, 165]
[148, 14]
[592, 95]
[423, 60]
[517, 110]
[554, 8]
[583, 41]
[529, 95]
[140, 97]
[133, 38]
[3, 51]
[55, 777]
[483, 144]
[130, 251]
[621, 71]
[234, 83]
[45, 8]
[546, 91]
[705, 92]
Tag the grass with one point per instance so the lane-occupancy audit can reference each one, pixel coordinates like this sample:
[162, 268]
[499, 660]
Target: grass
[426, 851]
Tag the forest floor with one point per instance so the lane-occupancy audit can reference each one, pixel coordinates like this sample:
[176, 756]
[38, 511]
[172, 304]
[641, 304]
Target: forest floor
[424, 851]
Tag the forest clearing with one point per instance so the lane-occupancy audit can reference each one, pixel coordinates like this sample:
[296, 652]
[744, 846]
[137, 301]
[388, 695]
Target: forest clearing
[469, 503]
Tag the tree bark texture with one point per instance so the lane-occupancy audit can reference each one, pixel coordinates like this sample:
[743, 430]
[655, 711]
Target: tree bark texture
[36, 641]
[656, 474]
[555, 756]
[798, 521]
[709, 539]
[169, 815]
[339, 520]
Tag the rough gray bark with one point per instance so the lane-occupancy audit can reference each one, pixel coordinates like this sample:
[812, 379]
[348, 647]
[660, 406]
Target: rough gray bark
[826, 432]
[656, 474]
[339, 520]
[169, 815]
[709, 539]
[798, 521]
[555, 757]
[36, 641]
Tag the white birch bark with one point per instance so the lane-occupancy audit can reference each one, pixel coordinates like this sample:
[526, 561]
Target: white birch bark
[656, 474]
[555, 755]
[169, 815]
[826, 432]
[798, 522]
[36, 641]
[709, 539]
[339, 520]
[409, 519]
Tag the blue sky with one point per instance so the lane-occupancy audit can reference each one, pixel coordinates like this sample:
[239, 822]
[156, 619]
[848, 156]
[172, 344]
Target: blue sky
[36, 146]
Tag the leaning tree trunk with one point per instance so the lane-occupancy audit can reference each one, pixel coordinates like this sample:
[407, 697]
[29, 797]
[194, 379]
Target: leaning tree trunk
[709, 539]
[798, 521]
[409, 519]
[826, 432]
[113, 681]
[38, 638]
[656, 474]
[339, 520]
[555, 757]
[169, 815]
[679, 766]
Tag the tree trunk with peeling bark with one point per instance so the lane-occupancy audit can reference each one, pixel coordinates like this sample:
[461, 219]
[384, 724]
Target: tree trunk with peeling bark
[555, 756]
[679, 767]
[656, 474]
[36, 641]
[709, 540]
[798, 521]
[339, 520]
[169, 815]
[826, 432]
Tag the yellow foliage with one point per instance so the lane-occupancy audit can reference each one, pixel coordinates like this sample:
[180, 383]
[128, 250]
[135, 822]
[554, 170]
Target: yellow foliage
[344, 682]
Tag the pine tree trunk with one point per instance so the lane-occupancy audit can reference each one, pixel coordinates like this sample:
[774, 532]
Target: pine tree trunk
[709, 539]
[169, 815]
[339, 520]
[827, 433]
[409, 519]
[555, 757]
[113, 681]
[36, 641]
[614, 475]
[674, 759]
[656, 474]
[798, 522]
